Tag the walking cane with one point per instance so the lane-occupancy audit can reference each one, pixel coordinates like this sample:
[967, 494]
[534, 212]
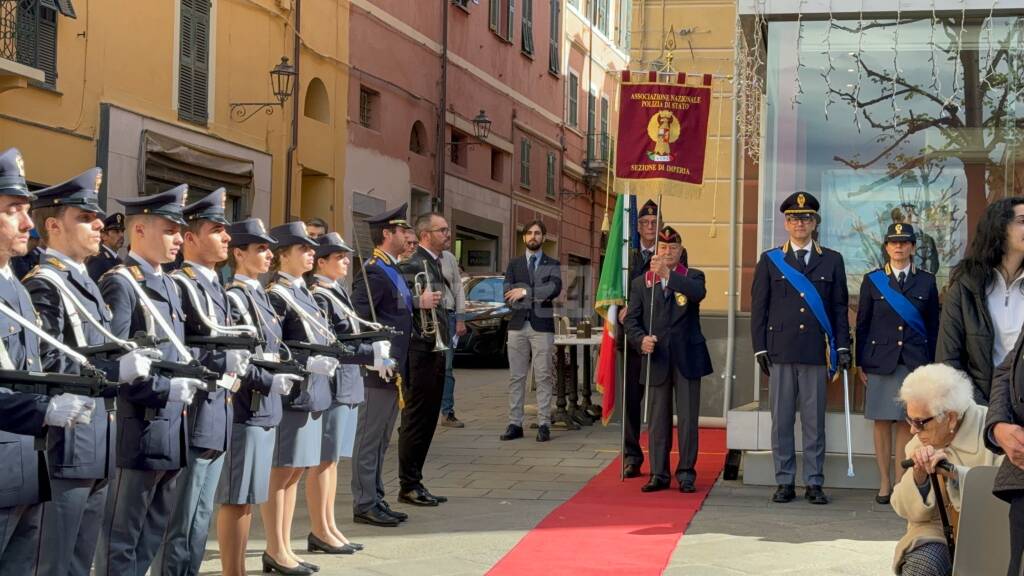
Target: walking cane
[849, 436]
[940, 503]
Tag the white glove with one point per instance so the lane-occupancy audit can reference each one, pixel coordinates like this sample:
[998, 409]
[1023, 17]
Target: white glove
[237, 361]
[387, 368]
[283, 383]
[137, 363]
[322, 365]
[184, 389]
[381, 352]
[69, 409]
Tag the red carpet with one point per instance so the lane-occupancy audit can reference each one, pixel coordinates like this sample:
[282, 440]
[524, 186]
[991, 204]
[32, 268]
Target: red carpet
[610, 527]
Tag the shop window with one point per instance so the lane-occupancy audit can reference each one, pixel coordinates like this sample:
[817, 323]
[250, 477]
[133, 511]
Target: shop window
[317, 105]
[369, 104]
[418, 138]
[194, 61]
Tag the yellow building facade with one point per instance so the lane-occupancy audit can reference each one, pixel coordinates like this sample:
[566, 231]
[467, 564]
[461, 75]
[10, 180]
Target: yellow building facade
[146, 91]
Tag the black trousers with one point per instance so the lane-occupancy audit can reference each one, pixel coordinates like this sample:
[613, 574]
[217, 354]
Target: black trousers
[423, 394]
[687, 408]
[632, 414]
[1016, 534]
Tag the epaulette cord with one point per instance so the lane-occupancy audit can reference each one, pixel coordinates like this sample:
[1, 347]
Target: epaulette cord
[56, 263]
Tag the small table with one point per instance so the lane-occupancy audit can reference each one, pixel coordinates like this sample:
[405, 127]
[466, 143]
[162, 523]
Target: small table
[572, 414]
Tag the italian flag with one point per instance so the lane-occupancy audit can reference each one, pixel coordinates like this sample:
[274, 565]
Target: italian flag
[610, 298]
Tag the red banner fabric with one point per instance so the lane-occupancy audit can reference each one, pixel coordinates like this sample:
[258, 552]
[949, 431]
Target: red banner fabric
[663, 132]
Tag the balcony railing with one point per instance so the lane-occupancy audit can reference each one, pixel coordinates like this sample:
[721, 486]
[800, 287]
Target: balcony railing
[28, 34]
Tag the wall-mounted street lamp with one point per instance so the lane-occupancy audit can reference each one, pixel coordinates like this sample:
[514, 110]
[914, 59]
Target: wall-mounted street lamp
[481, 129]
[282, 81]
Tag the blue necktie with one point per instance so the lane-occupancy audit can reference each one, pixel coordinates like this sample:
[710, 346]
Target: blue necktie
[533, 264]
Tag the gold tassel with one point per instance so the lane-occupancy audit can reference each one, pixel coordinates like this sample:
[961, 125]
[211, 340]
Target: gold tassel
[401, 397]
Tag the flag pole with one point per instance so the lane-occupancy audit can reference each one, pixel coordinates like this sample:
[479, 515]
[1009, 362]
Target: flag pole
[650, 324]
[626, 236]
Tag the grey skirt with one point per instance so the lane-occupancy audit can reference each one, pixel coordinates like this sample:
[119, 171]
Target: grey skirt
[339, 432]
[883, 396]
[299, 439]
[246, 476]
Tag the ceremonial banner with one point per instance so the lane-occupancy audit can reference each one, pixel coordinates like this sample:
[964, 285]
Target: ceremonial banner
[611, 295]
[663, 131]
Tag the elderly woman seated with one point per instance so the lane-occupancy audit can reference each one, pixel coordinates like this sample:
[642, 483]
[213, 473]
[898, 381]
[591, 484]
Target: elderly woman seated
[947, 425]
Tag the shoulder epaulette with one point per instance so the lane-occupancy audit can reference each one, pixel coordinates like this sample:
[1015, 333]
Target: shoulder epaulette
[282, 281]
[235, 284]
[30, 273]
[137, 273]
[56, 263]
[189, 271]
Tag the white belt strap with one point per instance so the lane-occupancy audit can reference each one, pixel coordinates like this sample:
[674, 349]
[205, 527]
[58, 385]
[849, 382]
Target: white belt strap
[355, 320]
[42, 334]
[69, 297]
[207, 317]
[71, 304]
[309, 321]
[150, 308]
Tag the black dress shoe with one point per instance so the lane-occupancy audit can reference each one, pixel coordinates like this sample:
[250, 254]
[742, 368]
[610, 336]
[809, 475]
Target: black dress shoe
[315, 544]
[270, 565]
[654, 485]
[543, 433]
[512, 432]
[376, 517]
[631, 471]
[417, 497]
[815, 495]
[883, 499]
[687, 487]
[309, 566]
[440, 499]
[386, 508]
[784, 493]
[355, 546]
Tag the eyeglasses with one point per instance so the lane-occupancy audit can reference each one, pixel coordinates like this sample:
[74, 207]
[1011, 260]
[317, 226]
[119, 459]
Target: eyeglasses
[919, 423]
[643, 222]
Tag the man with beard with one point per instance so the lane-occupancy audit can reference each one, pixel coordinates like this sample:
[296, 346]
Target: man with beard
[111, 240]
[532, 282]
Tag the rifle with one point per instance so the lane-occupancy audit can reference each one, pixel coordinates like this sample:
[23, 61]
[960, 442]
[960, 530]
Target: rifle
[338, 350]
[111, 347]
[384, 333]
[230, 342]
[92, 382]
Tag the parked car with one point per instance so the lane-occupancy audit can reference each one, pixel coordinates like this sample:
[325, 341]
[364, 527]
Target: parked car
[487, 319]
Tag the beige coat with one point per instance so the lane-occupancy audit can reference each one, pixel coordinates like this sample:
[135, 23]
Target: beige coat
[923, 522]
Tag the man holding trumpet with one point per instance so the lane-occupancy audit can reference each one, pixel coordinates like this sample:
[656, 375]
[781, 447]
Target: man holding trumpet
[427, 345]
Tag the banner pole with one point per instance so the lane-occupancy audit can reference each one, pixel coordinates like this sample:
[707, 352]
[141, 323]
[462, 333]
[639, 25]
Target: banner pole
[626, 236]
[650, 324]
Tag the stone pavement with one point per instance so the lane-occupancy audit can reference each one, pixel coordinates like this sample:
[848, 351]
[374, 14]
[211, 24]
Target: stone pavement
[499, 490]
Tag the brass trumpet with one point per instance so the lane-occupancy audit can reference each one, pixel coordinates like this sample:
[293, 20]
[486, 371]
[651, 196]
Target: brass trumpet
[428, 325]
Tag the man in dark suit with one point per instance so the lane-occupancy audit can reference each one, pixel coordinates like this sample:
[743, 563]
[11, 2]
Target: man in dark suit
[383, 296]
[532, 282]
[1004, 434]
[795, 350]
[111, 240]
[675, 356]
[426, 362]
[152, 413]
[639, 262]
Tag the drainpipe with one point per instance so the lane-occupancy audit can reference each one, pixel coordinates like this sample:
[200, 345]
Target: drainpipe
[730, 349]
[290, 158]
[442, 111]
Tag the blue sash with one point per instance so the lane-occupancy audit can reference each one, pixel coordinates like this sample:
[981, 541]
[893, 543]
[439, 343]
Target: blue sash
[810, 295]
[399, 283]
[898, 302]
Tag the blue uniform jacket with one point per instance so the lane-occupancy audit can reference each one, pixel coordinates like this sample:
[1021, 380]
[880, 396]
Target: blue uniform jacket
[210, 412]
[347, 384]
[99, 264]
[884, 340]
[259, 312]
[23, 470]
[676, 314]
[83, 451]
[782, 323]
[391, 308]
[159, 442]
[315, 394]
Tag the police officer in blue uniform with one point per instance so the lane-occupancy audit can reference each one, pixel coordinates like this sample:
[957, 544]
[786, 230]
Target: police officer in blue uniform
[23, 416]
[670, 294]
[112, 238]
[384, 296]
[897, 328]
[801, 336]
[21, 265]
[206, 310]
[152, 415]
[70, 307]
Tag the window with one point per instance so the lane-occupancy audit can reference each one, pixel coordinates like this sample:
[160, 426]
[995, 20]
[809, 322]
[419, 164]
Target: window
[497, 165]
[550, 184]
[487, 290]
[194, 61]
[369, 102]
[418, 138]
[591, 125]
[574, 3]
[34, 29]
[527, 32]
[524, 162]
[573, 108]
[501, 18]
[554, 60]
[464, 4]
[458, 148]
[625, 35]
[604, 127]
[599, 15]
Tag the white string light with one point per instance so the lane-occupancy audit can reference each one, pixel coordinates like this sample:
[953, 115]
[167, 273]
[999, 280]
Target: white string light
[956, 55]
[895, 65]
[857, 60]
[799, 55]
[936, 85]
[830, 66]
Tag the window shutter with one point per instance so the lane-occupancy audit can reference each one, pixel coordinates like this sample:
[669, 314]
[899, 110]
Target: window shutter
[528, 26]
[553, 55]
[551, 175]
[511, 20]
[46, 45]
[194, 66]
[574, 99]
[495, 14]
[604, 128]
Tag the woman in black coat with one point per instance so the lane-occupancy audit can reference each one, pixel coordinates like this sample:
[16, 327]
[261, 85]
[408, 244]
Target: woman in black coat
[972, 336]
